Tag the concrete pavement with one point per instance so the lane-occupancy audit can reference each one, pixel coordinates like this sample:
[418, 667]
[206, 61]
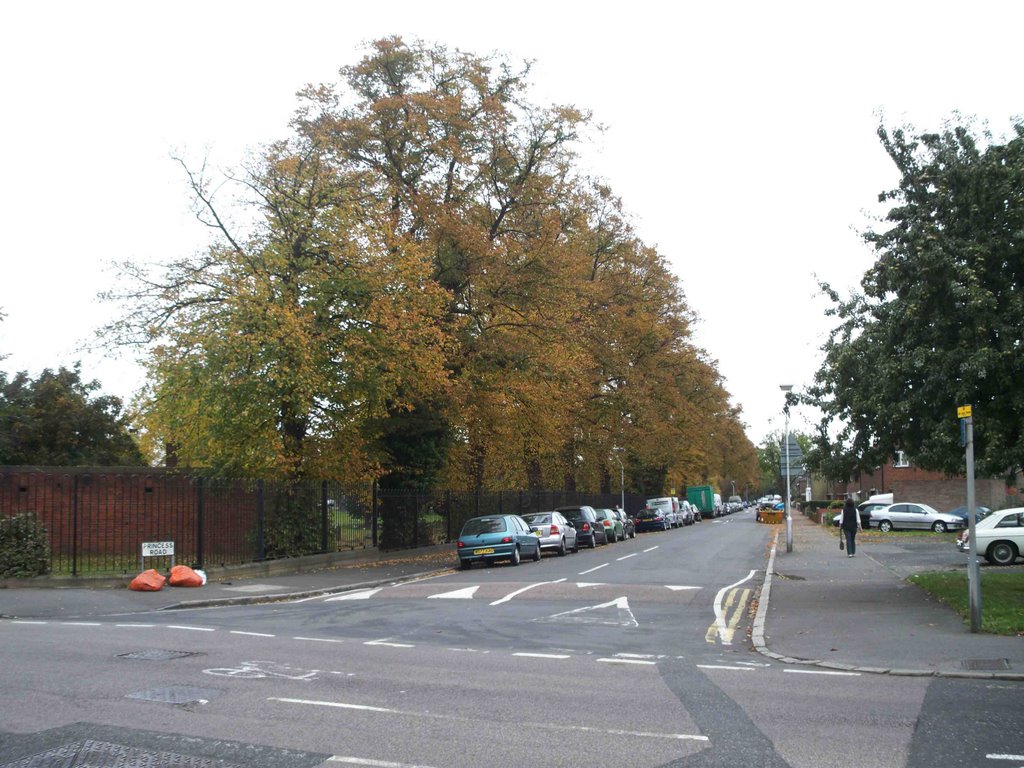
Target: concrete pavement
[822, 608]
[816, 607]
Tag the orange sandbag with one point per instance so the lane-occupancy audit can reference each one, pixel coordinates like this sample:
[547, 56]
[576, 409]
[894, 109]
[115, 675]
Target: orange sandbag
[148, 581]
[183, 576]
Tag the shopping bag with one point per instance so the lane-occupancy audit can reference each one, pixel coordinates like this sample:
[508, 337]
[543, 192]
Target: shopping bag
[842, 544]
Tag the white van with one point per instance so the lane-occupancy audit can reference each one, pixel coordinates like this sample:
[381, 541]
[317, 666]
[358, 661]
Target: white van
[669, 505]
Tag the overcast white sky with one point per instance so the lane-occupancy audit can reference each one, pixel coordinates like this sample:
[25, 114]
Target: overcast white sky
[740, 135]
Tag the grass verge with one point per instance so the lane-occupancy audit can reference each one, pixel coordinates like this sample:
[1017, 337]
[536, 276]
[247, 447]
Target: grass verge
[1002, 597]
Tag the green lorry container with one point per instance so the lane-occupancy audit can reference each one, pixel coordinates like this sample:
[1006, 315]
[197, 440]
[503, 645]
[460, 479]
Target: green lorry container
[703, 498]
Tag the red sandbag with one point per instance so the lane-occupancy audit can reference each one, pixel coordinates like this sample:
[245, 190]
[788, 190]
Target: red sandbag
[183, 576]
[148, 581]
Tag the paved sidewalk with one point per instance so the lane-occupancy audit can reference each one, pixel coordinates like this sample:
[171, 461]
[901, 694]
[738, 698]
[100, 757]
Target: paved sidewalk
[257, 583]
[820, 607]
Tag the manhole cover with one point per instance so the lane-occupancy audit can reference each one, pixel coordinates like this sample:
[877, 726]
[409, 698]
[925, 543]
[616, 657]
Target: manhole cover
[157, 654]
[176, 694]
[986, 664]
[101, 754]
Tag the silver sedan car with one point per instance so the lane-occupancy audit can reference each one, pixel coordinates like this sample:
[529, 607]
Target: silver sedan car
[911, 516]
[555, 531]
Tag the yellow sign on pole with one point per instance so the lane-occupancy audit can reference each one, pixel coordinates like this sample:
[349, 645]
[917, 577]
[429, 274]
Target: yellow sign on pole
[963, 412]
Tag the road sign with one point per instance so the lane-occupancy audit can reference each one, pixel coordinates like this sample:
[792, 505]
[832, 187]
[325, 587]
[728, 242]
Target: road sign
[796, 458]
[157, 548]
[963, 412]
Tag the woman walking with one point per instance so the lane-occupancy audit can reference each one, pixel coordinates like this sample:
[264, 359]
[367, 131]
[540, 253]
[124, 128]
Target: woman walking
[850, 525]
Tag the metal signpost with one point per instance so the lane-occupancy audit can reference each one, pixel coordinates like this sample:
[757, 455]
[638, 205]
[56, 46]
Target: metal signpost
[965, 414]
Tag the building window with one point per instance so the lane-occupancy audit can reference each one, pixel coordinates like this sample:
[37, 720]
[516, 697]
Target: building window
[900, 460]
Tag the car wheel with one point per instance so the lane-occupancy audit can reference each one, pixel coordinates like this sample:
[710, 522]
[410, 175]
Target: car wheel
[1001, 553]
[593, 541]
[536, 553]
[465, 564]
[561, 548]
[885, 526]
[939, 527]
[514, 560]
[612, 538]
[575, 543]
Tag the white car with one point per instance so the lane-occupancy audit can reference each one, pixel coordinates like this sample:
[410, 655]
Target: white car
[914, 516]
[1000, 536]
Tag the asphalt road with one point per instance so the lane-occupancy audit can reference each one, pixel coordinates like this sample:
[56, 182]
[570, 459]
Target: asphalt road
[634, 654]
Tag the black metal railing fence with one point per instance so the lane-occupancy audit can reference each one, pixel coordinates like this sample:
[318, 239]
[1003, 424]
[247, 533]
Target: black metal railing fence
[95, 521]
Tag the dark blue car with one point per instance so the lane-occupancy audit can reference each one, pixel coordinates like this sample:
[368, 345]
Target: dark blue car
[651, 519]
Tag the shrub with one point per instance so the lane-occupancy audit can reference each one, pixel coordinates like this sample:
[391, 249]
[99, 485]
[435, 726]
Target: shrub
[24, 547]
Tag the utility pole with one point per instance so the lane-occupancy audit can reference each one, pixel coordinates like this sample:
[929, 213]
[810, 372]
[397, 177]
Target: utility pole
[965, 412]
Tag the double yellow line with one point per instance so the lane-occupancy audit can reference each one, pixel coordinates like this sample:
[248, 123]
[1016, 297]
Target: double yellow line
[724, 626]
[730, 605]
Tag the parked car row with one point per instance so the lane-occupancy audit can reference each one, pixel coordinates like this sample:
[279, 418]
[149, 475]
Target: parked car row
[907, 516]
[492, 538]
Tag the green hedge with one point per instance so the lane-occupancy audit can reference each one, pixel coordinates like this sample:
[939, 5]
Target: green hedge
[24, 547]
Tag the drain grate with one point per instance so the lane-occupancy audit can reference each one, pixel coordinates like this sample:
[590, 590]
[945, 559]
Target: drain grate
[176, 694]
[157, 654]
[101, 754]
[988, 665]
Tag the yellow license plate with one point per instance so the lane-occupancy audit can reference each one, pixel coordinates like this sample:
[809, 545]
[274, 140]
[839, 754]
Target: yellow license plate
[488, 551]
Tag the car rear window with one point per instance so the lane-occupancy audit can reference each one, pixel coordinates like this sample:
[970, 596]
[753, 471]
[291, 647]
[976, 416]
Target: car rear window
[537, 519]
[645, 513]
[483, 525]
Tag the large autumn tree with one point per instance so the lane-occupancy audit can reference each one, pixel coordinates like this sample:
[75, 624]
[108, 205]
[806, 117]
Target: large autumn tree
[268, 351]
[432, 294]
[939, 322]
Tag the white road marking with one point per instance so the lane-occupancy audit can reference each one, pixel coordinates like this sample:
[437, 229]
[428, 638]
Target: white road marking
[458, 594]
[385, 642]
[543, 655]
[510, 595]
[1004, 757]
[723, 666]
[191, 629]
[821, 672]
[527, 726]
[319, 639]
[375, 763]
[251, 634]
[26, 621]
[590, 584]
[642, 662]
[626, 557]
[335, 705]
[595, 568]
[676, 589]
[136, 626]
[623, 618]
[361, 594]
[80, 624]
[651, 549]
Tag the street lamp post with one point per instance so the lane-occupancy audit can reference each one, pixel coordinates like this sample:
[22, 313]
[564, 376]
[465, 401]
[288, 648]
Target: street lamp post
[622, 476]
[787, 388]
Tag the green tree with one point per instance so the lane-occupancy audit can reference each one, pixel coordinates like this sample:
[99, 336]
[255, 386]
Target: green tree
[59, 420]
[939, 322]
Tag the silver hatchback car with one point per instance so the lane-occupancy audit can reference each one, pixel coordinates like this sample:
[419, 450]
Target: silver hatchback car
[554, 530]
[913, 516]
